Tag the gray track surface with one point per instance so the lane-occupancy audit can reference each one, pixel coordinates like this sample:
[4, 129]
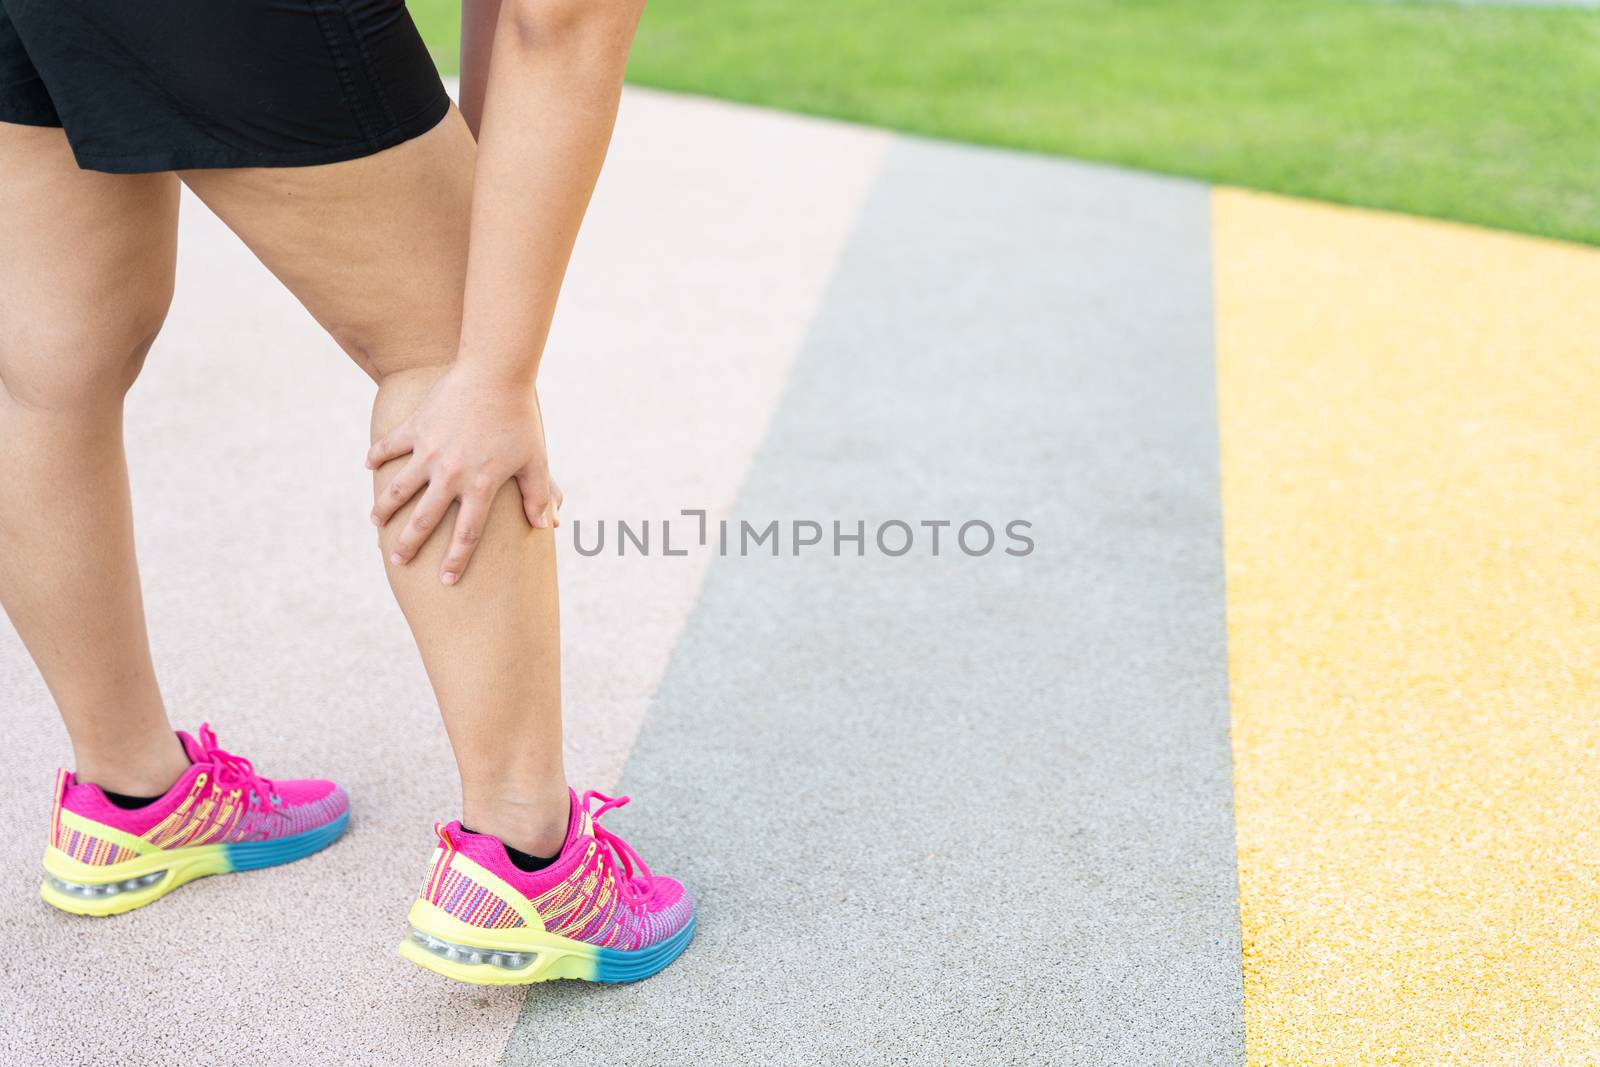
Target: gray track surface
[960, 810]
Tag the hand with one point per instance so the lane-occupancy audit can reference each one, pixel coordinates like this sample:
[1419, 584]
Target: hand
[471, 435]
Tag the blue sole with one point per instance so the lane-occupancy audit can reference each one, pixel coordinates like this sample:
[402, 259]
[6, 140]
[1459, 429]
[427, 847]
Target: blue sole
[252, 855]
[617, 966]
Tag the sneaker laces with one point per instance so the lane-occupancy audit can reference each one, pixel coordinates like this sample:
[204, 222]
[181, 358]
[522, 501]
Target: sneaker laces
[635, 883]
[235, 771]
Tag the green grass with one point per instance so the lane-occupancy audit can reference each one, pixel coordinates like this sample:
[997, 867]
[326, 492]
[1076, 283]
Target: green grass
[440, 23]
[1482, 114]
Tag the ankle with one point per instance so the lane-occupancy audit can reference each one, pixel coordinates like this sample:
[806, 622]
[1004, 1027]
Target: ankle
[536, 825]
[143, 770]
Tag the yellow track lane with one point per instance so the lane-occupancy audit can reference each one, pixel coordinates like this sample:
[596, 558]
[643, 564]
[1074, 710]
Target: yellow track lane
[1411, 497]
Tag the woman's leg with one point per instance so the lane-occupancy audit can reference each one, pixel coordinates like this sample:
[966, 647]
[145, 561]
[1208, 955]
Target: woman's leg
[376, 249]
[86, 266]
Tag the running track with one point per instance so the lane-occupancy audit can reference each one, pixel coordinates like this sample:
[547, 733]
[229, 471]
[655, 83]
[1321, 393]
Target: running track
[1281, 744]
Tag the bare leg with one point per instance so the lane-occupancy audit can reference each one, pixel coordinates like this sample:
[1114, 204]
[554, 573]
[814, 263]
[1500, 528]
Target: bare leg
[376, 250]
[86, 264]
[478, 19]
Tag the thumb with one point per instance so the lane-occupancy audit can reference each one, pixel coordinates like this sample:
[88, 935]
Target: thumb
[534, 500]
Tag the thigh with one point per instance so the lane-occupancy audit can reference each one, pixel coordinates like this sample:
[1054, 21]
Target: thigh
[86, 269]
[375, 248]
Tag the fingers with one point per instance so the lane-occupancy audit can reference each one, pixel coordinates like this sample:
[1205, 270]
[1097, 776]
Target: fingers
[392, 445]
[540, 508]
[425, 518]
[470, 521]
[401, 488]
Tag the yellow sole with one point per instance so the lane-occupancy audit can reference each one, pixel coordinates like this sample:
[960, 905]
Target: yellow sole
[169, 869]
[443, 944]
[472, 949]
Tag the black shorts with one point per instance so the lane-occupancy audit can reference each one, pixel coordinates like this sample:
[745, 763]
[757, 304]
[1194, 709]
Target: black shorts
[150, 85]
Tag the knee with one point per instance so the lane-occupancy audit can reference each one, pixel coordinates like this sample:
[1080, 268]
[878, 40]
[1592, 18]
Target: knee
[86, 364]
[400, 392]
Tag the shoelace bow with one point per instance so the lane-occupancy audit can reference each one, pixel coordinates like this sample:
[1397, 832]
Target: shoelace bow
[235, 772]
[635, 882]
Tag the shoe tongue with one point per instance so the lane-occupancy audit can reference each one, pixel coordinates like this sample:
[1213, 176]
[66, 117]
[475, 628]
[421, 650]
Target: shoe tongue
[191, 747]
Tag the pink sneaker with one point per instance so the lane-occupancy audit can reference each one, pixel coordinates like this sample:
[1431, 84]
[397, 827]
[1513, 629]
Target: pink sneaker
[596, 913]
[221, 816]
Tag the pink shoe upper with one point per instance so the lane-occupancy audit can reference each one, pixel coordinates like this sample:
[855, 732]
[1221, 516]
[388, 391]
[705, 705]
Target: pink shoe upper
[220, 799]
[598, 890]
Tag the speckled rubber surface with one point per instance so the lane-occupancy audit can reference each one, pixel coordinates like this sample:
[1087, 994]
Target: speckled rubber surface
[1410, 468]
[953, 809]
